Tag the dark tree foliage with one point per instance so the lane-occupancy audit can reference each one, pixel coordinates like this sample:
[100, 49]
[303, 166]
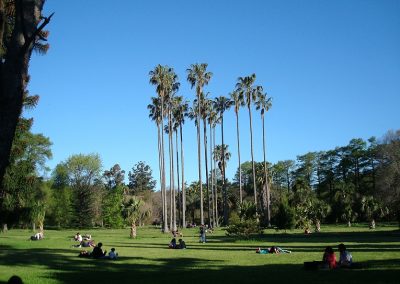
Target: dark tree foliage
[140, 178]
[114, 177]
[285, 217]
[21, 32]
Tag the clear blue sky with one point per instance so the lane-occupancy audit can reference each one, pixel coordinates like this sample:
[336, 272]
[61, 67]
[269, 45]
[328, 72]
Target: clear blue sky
[332, 68]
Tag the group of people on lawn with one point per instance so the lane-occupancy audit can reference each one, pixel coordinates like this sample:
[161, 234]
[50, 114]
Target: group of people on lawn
[329, 260]
[98, 252]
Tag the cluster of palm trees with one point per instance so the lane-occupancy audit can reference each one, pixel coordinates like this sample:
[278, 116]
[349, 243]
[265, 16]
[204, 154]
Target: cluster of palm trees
[168, 111]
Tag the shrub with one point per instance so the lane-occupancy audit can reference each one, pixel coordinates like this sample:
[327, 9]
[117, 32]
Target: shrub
[244, 229]
[285, 218]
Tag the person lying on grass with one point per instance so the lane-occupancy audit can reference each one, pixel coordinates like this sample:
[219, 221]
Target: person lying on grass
[272, 249]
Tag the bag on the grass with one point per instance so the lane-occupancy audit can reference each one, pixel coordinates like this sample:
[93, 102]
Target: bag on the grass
[84, 253]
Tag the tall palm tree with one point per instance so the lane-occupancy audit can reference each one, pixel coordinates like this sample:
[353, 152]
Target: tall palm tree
[245, 86]
[205, 105]
[165, 80]
[172, 88]
[180, 112]
[199, 77]
[237, 99]
[212, 121]
[222, 104]
[158, 77]
[155, 115]
[222, 156]
[264, 103]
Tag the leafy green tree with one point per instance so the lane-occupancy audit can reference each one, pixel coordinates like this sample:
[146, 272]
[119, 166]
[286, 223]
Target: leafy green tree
[388, 174]
[84, 176]
[306, 168]
[285, 217]
[112, 202]
[22, 181]
[140, 178]
[114, 177]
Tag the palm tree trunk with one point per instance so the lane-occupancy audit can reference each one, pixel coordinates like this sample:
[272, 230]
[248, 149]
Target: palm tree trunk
[223, 173]
[252, 157]
[171, 175]
[178, 181]
[160, 168]
[183, 182]
[206, 164]
[212, 178]
[165, 213]
[199, 159]
[216, 184]
[133, 231]
[266, 186]
[240, 165]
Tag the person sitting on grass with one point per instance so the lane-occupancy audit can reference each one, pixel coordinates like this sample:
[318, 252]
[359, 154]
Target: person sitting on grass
[345, 259]
[98, 251]
[329, 258]
[182, 244]
[112, 254]
[37, 236]
[172, 244]
[78, 237]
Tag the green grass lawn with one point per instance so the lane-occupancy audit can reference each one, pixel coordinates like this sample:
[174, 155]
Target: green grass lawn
[222, 259]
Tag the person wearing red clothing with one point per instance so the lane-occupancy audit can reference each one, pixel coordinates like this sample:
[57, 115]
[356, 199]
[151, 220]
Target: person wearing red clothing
[329, 258]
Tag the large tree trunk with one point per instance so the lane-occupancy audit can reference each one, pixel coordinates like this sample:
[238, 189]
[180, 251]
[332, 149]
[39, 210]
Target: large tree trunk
[183, 182]
[14, 73]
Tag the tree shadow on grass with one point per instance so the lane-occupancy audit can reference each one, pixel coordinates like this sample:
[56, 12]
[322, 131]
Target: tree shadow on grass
[66, 267]
[322, 237]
